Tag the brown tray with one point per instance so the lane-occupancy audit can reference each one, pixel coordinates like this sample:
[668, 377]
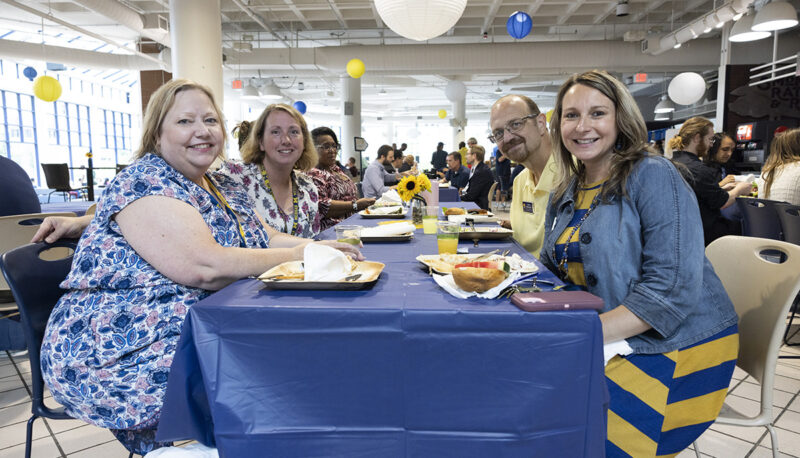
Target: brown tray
[370, 273]
[388, 238]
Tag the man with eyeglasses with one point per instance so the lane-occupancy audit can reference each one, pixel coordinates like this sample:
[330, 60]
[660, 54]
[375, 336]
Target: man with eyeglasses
[519, 129]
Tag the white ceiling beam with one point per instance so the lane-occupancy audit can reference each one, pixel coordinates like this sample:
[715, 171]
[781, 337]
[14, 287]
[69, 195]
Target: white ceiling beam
[260, 21]
[58, 21]
[338, 14]
[651, 5]
[602, 17]
[534, 7]
[570, 10]
[376, 16]
[298, 13]
[490, 15]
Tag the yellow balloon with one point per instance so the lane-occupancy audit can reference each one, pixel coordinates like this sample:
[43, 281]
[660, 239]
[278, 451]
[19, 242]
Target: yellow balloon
[355, 68]
[442, 114]
[47, 88]
[549, 115]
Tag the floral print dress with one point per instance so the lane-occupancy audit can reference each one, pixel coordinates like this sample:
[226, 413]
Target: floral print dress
[110, 340]
[332, 185]
[248, 177]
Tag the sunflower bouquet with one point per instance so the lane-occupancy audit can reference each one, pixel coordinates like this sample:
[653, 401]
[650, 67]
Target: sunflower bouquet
[410, 187]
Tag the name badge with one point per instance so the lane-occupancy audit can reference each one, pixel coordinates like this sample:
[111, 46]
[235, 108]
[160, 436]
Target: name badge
[527, 207]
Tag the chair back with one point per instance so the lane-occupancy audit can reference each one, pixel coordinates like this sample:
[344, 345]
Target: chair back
[57, 177]
[789, 216]
[34, 282]
[760, 217]
[15, 231]
[360, 189]
[762, 292]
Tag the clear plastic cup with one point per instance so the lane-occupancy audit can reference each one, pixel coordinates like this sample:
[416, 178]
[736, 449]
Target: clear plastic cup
[447, 237]
[348, 233]
[430, 216]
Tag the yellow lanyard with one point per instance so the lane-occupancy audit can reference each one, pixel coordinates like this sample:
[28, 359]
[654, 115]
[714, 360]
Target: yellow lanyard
[220, 202]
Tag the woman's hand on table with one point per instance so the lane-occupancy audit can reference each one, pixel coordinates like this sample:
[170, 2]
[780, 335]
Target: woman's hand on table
[54, 228]
[350, 250]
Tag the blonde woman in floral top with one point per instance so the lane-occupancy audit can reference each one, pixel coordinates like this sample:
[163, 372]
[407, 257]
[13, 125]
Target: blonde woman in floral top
[338, 198]
[277, 152]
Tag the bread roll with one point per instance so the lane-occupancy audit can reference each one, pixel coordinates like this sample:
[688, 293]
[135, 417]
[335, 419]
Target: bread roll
[478, 279]
[455, 211]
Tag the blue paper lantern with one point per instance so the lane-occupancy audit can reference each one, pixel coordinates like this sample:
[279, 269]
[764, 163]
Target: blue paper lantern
[300, 106]
[29, 73]
[519, 25]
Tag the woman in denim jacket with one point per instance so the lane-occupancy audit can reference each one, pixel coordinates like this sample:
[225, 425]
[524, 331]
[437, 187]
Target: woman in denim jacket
[623, 224]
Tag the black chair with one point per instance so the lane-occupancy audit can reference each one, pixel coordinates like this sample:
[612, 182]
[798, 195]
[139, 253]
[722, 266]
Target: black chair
[760, 218]
[120, 167]
[360, 190]
[789, 216]
[57, 178]
[34, 283]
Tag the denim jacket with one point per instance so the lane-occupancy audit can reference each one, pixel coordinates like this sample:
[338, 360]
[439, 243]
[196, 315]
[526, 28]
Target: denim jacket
[645, 251]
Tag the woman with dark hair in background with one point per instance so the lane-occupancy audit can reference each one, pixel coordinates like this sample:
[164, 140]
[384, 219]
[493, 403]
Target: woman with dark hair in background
[718, 156]
[338, 197]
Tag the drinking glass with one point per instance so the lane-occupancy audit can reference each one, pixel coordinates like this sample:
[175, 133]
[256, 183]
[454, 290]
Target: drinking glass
[447, 237]
[430, 216]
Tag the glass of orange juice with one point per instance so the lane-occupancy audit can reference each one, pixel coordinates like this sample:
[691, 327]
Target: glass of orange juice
[447, 236]
[430, 216]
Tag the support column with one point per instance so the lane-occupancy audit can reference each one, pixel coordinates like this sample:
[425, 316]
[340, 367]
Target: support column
[722, 74]
[459, 121]
[196, 34]
[351, 116]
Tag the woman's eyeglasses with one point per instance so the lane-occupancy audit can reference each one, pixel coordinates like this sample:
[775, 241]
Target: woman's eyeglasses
[328, 147]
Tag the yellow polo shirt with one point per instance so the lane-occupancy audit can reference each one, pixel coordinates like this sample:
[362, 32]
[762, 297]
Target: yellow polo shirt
[529, 205]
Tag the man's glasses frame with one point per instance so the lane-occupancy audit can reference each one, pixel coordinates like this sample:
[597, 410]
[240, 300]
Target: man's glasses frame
[513, 126]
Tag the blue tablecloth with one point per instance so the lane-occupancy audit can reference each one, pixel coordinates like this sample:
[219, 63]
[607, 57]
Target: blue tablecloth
[399, 370]
[448, 195]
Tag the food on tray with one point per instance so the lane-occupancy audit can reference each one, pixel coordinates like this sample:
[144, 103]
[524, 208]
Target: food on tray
[455, 211]
[480, 276]
[478, 211]
[383, 210]
[445, 263]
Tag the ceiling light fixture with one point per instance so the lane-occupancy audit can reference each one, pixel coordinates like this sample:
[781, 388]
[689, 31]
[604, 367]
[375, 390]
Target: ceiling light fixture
[382, 92]
[742, 29]
[775, 15]
[250, 92]
[706, 28]
[498, 90]
[665, 105]
[271, 91]
[737, 16]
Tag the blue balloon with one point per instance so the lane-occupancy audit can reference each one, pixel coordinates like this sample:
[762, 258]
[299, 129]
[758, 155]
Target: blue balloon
[519, 25]
[300, 106]
[29, 73]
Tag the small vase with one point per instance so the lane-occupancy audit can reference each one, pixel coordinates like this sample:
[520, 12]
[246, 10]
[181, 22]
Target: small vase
[417, 210]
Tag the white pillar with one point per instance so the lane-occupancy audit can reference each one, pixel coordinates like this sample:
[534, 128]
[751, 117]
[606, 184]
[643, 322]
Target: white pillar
[459, 121]
[196, 33]
[351, 116]
[724, 60]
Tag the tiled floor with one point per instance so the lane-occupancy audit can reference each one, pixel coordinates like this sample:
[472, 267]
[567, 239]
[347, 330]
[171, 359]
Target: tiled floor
[73, 438]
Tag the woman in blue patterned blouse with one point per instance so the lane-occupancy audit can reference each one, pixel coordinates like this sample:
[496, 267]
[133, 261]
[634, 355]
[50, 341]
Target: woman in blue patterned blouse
[166, 233]
[277, 153]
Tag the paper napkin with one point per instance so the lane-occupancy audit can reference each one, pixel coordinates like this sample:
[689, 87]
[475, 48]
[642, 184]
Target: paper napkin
[449, 285]
[388, 230]
[324, 263]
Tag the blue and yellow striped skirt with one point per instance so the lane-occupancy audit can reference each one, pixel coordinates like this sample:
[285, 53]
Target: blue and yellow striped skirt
[661, 403]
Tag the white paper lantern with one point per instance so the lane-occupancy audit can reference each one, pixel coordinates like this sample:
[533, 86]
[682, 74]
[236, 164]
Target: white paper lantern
[455, 91]
[686, 88]
[420, 20]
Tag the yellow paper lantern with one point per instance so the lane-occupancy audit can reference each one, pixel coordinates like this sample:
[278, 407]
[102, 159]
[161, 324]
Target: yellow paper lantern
[548, 115]
[47, 88]
[355, 68]
[442, 114]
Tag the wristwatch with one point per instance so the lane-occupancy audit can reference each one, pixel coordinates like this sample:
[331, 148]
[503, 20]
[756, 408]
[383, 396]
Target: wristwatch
[355, 206]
